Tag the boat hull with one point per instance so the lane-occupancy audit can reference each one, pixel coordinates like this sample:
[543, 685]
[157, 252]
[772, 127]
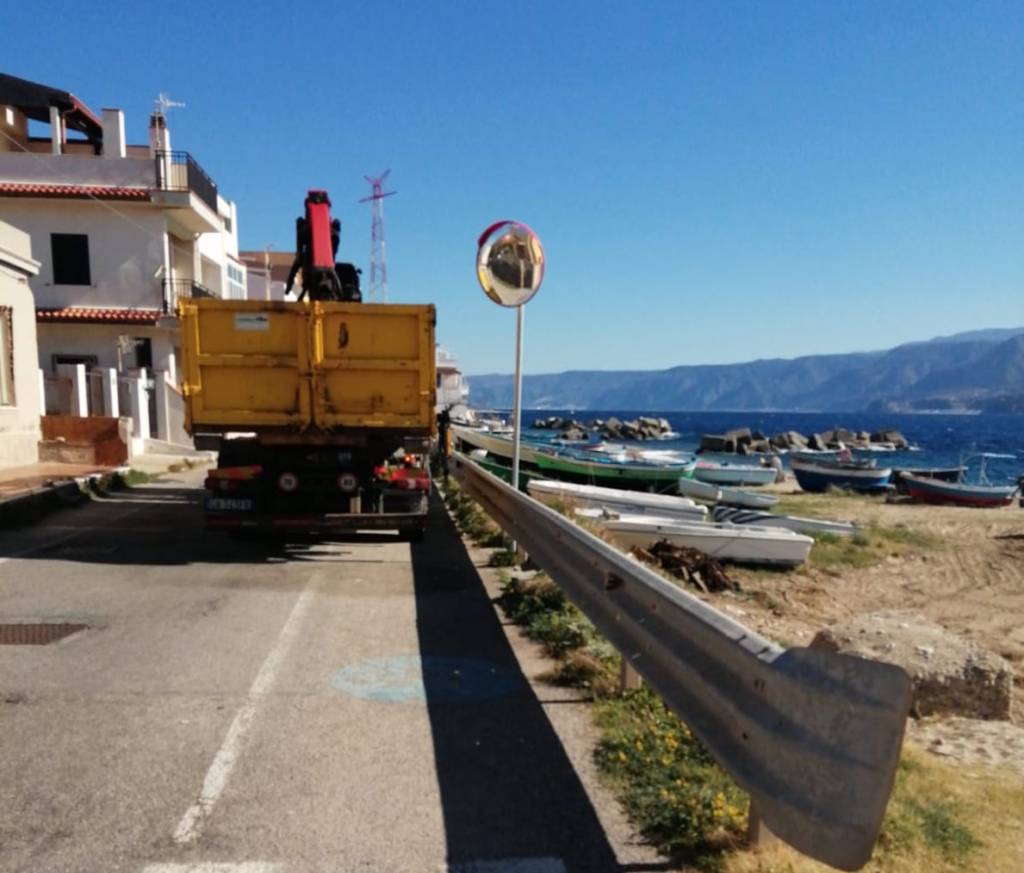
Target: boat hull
[746, 499]
[796, 523]
[817, 478]
[734, 474]
[619, 500]
[724, 542]
[958, 494]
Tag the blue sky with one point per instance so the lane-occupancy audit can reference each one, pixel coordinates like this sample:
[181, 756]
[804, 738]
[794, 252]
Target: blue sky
[712, 181]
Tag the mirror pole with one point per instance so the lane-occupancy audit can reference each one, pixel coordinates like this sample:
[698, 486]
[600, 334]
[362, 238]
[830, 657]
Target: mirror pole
[517, 398]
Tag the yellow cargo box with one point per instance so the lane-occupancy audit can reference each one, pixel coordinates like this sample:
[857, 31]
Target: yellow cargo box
[251, 365]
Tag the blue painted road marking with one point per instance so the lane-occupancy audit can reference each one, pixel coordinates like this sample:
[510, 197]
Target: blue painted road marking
[411, 678]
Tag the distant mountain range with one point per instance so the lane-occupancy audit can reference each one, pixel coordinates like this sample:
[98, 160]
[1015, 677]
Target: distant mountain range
[977, 370]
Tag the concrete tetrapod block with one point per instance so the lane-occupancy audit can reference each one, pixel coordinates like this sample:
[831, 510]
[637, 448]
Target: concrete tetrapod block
[950, 675]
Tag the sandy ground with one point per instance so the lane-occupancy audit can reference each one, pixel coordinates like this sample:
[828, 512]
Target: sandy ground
[970, 581]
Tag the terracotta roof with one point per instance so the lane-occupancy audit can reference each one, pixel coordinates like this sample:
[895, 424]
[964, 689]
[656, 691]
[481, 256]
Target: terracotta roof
[81, 315]
[103, 192]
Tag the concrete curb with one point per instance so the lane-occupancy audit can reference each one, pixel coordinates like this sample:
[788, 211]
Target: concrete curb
[29, 507]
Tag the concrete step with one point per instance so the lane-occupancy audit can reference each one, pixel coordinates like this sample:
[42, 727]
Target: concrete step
[163, 447]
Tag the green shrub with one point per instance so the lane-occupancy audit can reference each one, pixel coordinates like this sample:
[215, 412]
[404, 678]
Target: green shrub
[680, 798]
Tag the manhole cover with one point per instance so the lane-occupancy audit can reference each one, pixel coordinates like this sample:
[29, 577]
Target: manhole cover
[36, 634]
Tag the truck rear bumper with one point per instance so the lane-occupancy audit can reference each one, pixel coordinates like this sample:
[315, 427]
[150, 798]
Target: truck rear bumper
[317, 523]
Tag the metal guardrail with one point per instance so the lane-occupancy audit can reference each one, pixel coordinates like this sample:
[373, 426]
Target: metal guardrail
[179, 289]
[813, 736]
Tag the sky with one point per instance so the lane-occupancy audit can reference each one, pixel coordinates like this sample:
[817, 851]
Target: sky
[711, 181]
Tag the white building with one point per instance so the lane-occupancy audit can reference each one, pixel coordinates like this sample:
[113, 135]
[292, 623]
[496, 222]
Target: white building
[122, 232]
[267, 272]
[452, 389]
[19, 373]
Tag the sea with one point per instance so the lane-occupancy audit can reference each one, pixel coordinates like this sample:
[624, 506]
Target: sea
[939, 440]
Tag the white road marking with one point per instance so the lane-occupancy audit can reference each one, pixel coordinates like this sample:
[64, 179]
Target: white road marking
[240, 867]
[508, 865]
[194, 819]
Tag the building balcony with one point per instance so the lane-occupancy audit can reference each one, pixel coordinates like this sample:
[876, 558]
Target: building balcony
[182, 289]
[189, 194]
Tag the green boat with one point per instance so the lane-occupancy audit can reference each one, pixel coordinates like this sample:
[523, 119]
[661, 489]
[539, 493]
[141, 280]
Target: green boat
[504, 472]
[571, 468]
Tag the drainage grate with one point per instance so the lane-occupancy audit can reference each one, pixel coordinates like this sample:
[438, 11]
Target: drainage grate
[36, 634]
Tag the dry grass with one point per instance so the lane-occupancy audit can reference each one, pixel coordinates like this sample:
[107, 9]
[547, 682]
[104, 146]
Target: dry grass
[941, 819]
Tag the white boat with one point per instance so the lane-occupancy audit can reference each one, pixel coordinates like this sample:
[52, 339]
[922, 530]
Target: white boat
[727, 473]
[700, 490]
[742, 544]
[734, 515]
[618, 500]
[723, 494]
[493, 444]
[747, 499]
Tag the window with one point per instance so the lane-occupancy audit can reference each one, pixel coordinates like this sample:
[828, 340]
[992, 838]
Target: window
[6, 356]
[70, 259]
[90, 361]
[236, 283]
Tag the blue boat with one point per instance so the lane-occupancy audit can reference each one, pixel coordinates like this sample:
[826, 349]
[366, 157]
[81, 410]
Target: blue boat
[818, 477]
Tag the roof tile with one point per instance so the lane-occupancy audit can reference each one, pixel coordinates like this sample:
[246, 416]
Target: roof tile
[102, 192]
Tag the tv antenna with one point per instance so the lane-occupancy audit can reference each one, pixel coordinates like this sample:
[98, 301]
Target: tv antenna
[378, 261]
[163, 103]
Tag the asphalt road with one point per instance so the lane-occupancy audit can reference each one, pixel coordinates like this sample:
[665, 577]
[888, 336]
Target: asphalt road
[254, 707]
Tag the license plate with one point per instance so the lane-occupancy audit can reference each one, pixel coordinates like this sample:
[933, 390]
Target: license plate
[229, 504]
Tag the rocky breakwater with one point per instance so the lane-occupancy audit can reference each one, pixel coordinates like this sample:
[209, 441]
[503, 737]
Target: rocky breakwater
[744, 441]
[641, 428]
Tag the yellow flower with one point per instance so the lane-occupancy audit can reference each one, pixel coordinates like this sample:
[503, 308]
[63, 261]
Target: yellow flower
[622, 756]
[639, 745]
[666, 760]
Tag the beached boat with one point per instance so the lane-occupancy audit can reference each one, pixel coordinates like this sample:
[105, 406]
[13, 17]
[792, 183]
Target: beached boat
[943, 474]
[958, 493]
[700, 490]
[746, 499]
[497, 445]
[504, 471]
[742, 544]
[618, 499]
[575, 465]
[599, 469]
[735, 515]
[817, 477]
[961, 493]
[727, 473]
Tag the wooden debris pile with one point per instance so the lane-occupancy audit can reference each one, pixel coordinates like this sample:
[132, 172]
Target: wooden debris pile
[691, 565]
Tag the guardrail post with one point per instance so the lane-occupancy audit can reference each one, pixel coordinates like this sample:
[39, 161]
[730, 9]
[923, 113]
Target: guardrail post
[629, 679]
[757, 831]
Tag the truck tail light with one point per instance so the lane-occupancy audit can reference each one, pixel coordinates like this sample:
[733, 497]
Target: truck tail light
[288, 482]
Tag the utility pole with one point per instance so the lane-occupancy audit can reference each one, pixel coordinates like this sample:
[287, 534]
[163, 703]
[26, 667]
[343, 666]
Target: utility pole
[378, 261]
[266, 267]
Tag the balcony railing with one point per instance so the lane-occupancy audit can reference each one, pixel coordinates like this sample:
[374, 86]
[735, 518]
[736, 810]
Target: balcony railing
[182, 289]
[178, 171]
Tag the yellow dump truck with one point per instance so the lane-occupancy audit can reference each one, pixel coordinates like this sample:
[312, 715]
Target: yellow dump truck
[323, 412]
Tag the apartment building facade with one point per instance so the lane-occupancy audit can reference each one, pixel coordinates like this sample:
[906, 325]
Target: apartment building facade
[19, 372]
[121, 231]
